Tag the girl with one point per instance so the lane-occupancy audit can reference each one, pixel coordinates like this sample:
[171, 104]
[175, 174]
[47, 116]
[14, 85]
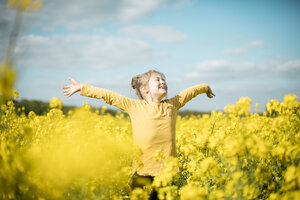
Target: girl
[153, 119]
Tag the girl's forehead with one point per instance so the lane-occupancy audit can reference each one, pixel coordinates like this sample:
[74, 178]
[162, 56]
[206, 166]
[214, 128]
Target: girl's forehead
[157, 75]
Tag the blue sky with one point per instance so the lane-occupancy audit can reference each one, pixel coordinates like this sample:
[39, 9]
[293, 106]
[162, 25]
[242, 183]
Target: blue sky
[240, 48]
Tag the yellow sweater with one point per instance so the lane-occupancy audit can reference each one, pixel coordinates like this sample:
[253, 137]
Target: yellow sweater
[153, 124]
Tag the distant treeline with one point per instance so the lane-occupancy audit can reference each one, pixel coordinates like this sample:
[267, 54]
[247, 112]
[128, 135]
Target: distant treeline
[41, 108]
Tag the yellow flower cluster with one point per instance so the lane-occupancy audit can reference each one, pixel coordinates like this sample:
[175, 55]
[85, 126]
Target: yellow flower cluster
[25, 4]
[242, 107]
[55, 156]
[88, 154]
[55, 103]
[7, 80]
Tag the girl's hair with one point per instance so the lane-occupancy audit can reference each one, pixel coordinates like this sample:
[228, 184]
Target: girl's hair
[142, 80]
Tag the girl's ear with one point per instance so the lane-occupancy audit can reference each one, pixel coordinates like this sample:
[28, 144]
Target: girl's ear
[144, 90]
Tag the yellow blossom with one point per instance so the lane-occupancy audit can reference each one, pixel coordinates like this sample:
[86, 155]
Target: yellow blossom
[290, 173]
[191, 192]
[55, 103]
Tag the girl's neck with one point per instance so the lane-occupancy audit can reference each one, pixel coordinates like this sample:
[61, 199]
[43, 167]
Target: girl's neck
[150, 99]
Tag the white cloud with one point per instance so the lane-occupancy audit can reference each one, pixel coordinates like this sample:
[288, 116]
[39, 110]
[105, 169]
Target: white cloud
[91, 51]
[116, 81]
[134, 9]
[254, 44]
[289, 66]
[77, 14]
[160, 33]
[290, 69]
[216, 70]
[181, 3]
[222, 69]
[6, 18]
[243, 49]
[210, 65]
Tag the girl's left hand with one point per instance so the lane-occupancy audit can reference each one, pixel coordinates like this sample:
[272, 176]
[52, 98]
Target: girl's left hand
[73, 88]
[209, 93]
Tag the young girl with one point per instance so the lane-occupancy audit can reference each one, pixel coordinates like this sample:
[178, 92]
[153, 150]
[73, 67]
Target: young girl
[153, 119]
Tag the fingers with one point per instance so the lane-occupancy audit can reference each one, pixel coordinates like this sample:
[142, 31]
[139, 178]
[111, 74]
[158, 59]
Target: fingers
[69, 94]
[210, 91]
[210, 94]
[68, 90]
[72, 80]
[66, 87]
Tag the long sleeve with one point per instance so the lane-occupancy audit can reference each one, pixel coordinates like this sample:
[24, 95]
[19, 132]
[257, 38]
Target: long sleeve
[186, 95]
[112, 98]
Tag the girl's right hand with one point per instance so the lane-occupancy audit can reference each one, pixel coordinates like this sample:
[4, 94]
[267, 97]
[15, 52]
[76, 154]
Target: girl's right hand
[73, 88]
[209, 93]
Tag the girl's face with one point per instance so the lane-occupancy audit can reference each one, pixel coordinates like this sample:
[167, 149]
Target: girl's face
[157, 86]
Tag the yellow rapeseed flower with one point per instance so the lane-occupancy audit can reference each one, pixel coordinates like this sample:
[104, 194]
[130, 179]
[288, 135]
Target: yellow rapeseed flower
[24, 4]
[290, 173]
[55, 103]
[191, 192]
[12, 3]
[36, 5]
[7, 80]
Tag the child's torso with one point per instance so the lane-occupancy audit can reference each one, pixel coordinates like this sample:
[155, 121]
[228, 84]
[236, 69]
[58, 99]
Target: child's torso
[153, 123]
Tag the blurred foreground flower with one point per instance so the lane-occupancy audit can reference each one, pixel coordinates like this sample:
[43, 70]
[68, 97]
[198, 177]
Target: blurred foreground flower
[25, 4]
[55, 103]
[7, 80]
[7, 71]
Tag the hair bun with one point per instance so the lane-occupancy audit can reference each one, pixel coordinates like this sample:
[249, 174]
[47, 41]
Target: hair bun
[134, 81]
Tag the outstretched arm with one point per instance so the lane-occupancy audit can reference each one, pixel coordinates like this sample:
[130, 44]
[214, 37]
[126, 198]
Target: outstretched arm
[186, 95]
[112, 98]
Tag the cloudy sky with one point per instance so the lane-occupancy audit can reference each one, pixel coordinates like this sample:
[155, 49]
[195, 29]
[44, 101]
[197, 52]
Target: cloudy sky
[240, 48]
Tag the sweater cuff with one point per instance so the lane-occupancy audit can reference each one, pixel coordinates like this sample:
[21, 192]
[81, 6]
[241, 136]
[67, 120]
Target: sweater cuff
[206, 88]
[83, 89]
